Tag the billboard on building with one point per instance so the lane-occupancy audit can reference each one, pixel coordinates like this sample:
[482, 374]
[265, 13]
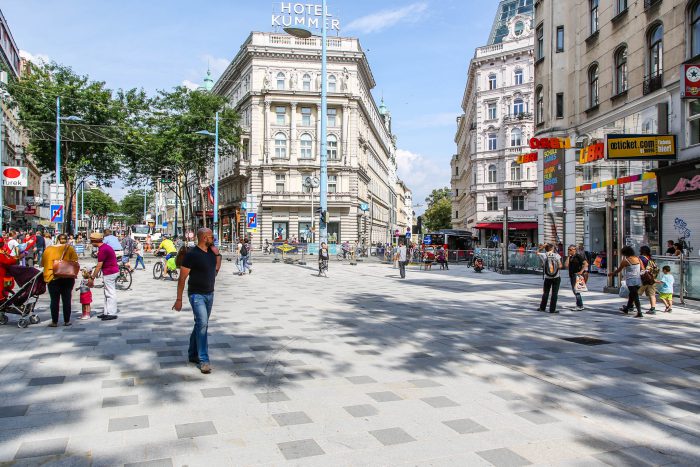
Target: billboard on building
[690, 80]
[553, 177]
[640, 147]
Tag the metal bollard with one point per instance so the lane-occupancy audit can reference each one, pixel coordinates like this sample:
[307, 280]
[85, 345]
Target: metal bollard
[302, 261]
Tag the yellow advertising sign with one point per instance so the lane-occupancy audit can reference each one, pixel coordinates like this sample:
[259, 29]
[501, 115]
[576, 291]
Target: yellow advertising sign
[640, 147]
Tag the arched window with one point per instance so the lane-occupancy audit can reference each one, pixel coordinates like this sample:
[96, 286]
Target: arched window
[492, 81]
[621, 70]
[280, 81]
[694, 22]
[306, 82]
[516, 172]
[656, 51]
[492, 175]
[539, 105]
[332, 147]
[331, 83]
[306, 146]
[281, 146]
[518, 77]
[518, 107]
[593, 86]
[516, 137]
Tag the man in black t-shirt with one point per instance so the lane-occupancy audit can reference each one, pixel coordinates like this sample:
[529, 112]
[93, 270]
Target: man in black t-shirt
[670, 248]
[577, 264]
[200, 264]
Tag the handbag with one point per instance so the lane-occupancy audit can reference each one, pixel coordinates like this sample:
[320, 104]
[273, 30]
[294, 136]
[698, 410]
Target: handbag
[624, 290]
[580, 285]
[64, 269]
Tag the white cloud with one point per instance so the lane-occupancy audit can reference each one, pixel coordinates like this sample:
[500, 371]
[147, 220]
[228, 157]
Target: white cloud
[421, 174]
[190, 85]
[217, 65]
[385, 19]
[37, 59]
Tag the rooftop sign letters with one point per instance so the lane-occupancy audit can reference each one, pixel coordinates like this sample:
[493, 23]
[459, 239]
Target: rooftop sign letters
[594, 152]
[640, 147]
[304, 15]
[550, 143]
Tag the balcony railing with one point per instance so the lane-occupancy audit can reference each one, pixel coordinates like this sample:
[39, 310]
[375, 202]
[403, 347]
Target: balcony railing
[518, 117]
[653, 83]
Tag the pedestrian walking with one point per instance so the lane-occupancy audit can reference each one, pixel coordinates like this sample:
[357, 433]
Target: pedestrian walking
[649, 278]
[60, 288]
[243, 257]
[108, 265]
[632, 267]
[666, 290]
[551, 264]
[199, 267]
[402, 259]
[138, 252]
[128, 246]
[576, 264]
[323, 260]
[40, 246]
[85, 295]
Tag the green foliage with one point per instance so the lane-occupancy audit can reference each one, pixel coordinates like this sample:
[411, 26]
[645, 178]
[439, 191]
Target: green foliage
[438, 194]
[438, 215]
[132, 205]
[99, 203]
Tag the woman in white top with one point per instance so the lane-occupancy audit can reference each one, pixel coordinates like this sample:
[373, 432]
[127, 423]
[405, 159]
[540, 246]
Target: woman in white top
[632, 267]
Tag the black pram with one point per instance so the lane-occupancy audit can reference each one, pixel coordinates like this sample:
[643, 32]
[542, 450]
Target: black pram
[29, 285]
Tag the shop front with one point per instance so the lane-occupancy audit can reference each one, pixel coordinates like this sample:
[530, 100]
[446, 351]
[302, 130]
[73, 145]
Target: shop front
[521, 233]
[679, 200]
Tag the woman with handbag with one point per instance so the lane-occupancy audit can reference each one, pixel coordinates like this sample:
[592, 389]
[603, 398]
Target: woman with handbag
[61, 267]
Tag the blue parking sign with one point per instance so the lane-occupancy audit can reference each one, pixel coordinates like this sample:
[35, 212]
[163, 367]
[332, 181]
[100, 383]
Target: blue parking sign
[252, 220]
[56, 213]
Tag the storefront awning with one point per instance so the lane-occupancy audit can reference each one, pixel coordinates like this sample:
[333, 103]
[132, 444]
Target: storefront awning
[511, 225]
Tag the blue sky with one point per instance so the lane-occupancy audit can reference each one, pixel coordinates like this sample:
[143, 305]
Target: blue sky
[419, 52]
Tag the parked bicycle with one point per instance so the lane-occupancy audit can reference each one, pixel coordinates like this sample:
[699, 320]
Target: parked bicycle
[124, 278]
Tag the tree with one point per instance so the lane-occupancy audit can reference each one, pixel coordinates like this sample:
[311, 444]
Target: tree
[438, 215]
[132, 205]
[438, 194]
[99, 203]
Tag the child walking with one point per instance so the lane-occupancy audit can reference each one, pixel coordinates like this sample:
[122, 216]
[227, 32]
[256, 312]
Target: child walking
[85, 295]
[666, 290]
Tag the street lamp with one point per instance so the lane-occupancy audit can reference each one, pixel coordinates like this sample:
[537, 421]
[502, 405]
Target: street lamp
[311, 183]
[70, 118]
[4, 95]
[323, 192]
[216, 174]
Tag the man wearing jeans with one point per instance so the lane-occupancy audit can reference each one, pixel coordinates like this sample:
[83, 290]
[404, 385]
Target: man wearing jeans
[576, 264]
[402, 259]
[107, 263]
[201, 264]
[551, 263]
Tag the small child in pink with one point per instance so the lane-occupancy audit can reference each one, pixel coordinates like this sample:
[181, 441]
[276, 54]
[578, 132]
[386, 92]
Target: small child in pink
[85, 295]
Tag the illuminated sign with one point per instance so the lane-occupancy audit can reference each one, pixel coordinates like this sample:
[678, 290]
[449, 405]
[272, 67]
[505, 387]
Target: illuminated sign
[685, 185]
[553, 176]
[304, 15]
[691, 81]
[526, 158]
[594, 152]
[640, 147]
[550, 143]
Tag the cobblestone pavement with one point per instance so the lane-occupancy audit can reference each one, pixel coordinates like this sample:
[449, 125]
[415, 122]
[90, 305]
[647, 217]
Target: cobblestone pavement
[360, 368]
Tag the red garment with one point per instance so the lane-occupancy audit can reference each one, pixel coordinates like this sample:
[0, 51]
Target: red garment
[8, 282]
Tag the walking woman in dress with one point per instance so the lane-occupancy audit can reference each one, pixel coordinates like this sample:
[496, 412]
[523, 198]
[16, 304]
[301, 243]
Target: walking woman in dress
[632, 267]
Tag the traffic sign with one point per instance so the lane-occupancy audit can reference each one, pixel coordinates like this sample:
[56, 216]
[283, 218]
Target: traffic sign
[252, 220]
[57, 213]
[408, 235]
[57, 193]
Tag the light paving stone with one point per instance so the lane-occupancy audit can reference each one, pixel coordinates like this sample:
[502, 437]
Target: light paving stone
[117, 383]
[391, 436]
[424, 383]
[537, 417]
[503, 457]
[128, 423]
[272, 396]
[291, 418]
[292, 450]
[439, 402]
[192, 430]
[120, 401]
[362, 410]
[217, 392]
[166, 462]
[384, 396]
[40, 448]
[465, 426]
[361, 379]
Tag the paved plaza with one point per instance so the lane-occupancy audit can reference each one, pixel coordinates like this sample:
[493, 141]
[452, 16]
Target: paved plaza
[445, 368]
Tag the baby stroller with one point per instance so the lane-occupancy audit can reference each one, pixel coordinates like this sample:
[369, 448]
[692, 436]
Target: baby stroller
[22, 301]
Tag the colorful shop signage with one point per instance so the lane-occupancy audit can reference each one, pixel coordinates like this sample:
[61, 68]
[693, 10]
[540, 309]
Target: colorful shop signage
[594, 152]
[616, 181]
[526, 158]
[690, 79]
[550, 143]
[640, 147]
[553, 177]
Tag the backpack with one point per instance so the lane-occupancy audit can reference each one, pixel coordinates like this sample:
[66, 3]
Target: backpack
[551, 266]
[649, 275]
[244, 249]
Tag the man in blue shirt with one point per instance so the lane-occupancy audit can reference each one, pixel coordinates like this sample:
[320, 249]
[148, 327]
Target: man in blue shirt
[111, 240]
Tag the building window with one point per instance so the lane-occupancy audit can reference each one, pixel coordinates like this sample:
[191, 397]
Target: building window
[518, 203]
[456, 214]
[560, 105]
[694, 21]
[306, 146]
[492, 81]
[492, 203]
[539, 105]
[280, 146]
[593, 86]
[493, 141]
[621, 6]
[280, 81]
[594, 16]
[516, 172]
[331, 117]
[516, 137]
[306, 116]
[332, 183]
[281, 113]
[280, 183]
[279, 231]
[491, 108]
[518, 77]
[693, 122]
[518, 107]
[560, 38]
[306, 82]
[621, 70]
[492, 175]
[656, 51]
[539, 45]
[332, 147]
[331, 83]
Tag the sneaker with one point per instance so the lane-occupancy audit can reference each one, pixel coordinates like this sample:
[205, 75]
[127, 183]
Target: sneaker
[540, 309]
[639, 315]
[101, 315]
[85, 317]
[205, 368]
[53, 325]
[250, 271]
[624, 310]
[194, 360]
[555, 312]
[67, 323]
[651, 312]
[580, 308]
[108, 317]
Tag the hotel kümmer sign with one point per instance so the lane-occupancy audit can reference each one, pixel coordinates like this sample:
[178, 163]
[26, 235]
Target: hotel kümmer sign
[640, 147]
[306, 15]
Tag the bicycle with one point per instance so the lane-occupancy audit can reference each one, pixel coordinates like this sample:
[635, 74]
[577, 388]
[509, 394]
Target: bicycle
[124, 278]
[161, 266]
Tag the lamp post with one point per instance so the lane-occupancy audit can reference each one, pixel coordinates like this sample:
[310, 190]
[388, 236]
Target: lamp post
[2, 168]
[323, 192]
[311, 183]
[216, 173]
[71, 118]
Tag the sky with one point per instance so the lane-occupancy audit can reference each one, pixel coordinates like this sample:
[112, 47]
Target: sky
[419, 52]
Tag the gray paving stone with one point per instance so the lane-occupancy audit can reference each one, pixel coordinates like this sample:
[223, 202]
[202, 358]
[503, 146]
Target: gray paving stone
[503, 457]
[291, 418]
[465, 426]
[362, 410]
[244, 360]
[299, 449]
[439, 402]
[41, 448]
[96, 370]
[361, 379]
[272, 396]
[391, 436]
[193, 430]
[219, 345]
[13, 411]
[424, 383]
[128, 423]
[632, 370]
[508, 395]
[117, 383]
[138, 341]
[120, 401]
[167, 462]
[537, 417]
[169, 353]
[367, 352]
[687, 406]
[217, 392]
[261, 348]
[46, 380]
[384, 396]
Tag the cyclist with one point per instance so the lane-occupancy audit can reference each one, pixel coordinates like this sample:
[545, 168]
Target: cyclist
[169, 246]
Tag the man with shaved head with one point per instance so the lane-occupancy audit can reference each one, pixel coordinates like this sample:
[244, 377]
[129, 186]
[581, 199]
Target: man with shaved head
[201, 264]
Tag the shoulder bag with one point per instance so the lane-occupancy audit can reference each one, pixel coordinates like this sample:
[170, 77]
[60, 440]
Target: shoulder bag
[64, 269]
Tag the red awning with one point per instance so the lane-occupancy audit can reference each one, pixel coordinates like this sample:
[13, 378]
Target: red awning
[511, 225]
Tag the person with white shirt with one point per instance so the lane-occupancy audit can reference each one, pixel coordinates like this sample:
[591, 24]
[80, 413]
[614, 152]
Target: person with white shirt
[402, 259]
